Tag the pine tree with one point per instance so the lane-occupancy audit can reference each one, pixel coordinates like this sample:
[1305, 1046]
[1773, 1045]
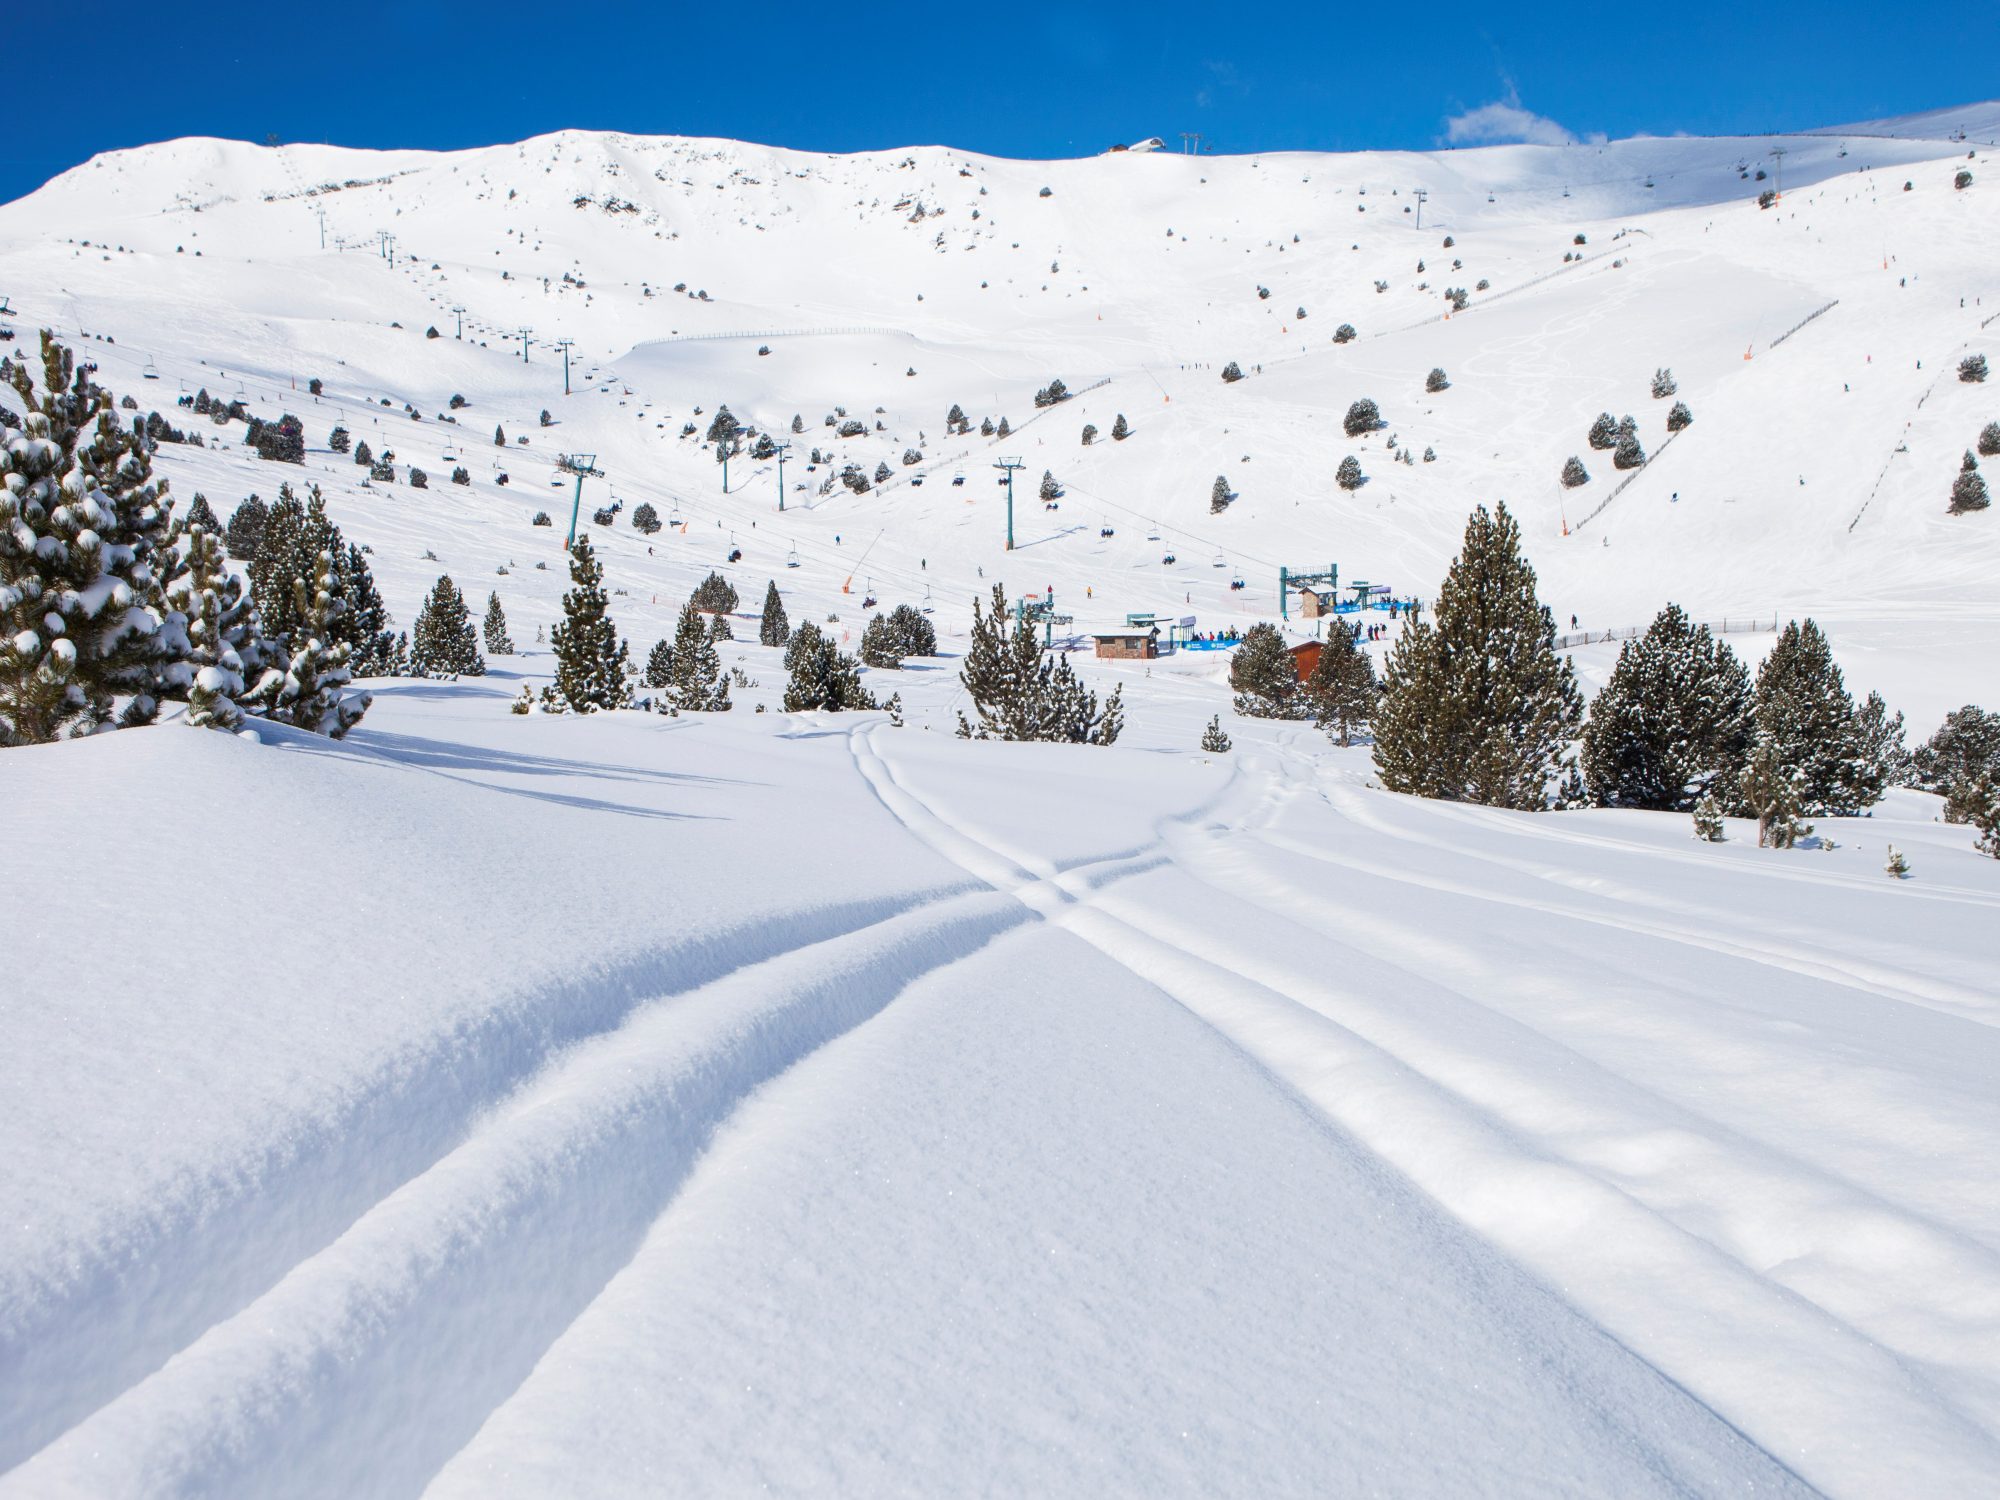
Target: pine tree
[954, 420]
[723, 427]
[1804, 708]
[229, 663]
[498, 642]
[1604, 431]
[1989, 440]
[1089, 434]
[1476, 705]
[1628, 454]
[718, 628]
[1436, 381]
[1264, 677]
[444, 644]
[1232, 372]
[1879, 735]
[339, 440]
[1968, 490]
[363, 457]
[84, 528]
[1574, 473]
[1050, 489]
[590, 659]
[1708, 818]
[1349, 476]
[1673, 722]
[1219, 496]
[773, 629]
[1966, 744]
[879, 647]
[1120, 430]
[645, 519]
[659, 671]
[246, 529]
[1364, 416]
[499, 438]
[1978, 803]
[693, 680]
[1896, 867]
[1003, 430]
[823, 677]
[1213, 740]
[715, 595]
[1342, 688]
[198, 514]
[1663, 384]
[1772, 793]
[911, 633]
[310, 696]
[1022, 692]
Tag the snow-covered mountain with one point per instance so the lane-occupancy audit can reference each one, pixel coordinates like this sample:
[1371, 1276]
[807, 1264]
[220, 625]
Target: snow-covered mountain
[764, 1101]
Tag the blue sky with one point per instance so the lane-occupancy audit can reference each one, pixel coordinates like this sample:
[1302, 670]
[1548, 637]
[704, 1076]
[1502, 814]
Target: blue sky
[1016, 80]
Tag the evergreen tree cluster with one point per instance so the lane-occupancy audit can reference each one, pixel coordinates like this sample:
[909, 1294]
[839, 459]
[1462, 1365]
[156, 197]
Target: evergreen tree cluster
[1020, 691]
[686, 670]
[282, 441]
[823, 678]
[890, 638]
[1968, 490]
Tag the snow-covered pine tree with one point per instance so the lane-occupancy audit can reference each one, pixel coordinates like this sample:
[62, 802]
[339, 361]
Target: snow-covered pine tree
[1213, 739]
[1628, 454]
[199, 514]
[230, 665]
[1989, 440]
[718, 628]
[246, 529]
[1880, 735]
[1772, 793]
[823, 677]
[1708, 817]
[1348, 475]
[954, 420]
[1264, 677]
[1342, 688]
[84, 527]
[499, 437]
[1679, 417]
[1022, 692]
[590, 659]
[1004, 429]
[773, 629]
[312, 694]
[498, 641]
[443, 643]
[1804, 709]
[723, 427]
[340, 440]
[1978, 803]
[364, 456]
[1673, 721]
[1604, 431]
[645, 519]
[1120, 429]
[1968, 490]
[1966, 744]
[659, 671]
[879, 647]
[1663, 383]
[1219, 496]
[1232, 372]
[1050, 489]
[911, 633]
[1436, 381]
[1896, 867]
[1363, 417]
[1574, 473]
[1476, 706]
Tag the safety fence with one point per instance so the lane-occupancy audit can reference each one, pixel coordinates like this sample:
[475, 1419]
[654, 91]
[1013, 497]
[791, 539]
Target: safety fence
[1727, 625]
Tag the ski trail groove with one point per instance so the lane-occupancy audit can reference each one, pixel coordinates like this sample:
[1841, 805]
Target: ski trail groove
[370, 1363]
[1620, 1263]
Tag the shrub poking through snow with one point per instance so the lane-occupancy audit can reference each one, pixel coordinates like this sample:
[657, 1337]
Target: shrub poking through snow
[1213, 740]
[1436, 381]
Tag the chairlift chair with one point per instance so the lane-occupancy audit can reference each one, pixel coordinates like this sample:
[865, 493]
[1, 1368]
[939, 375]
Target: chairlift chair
[151, 372]
[1221, 561]
[792, 558]
[1168, 559]
[958, 479]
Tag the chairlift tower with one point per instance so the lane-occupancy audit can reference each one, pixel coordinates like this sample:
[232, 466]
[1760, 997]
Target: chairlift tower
[1007, 466]
[319, 212]
[1778, 170]
[583, 466]
[783, 449]
[1289, 580]
[1420, 194]
[565, 345]
[459, 313]
[524, 343]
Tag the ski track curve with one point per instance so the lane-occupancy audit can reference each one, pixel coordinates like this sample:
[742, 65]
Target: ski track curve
[370, 1363]
[1622, 1265]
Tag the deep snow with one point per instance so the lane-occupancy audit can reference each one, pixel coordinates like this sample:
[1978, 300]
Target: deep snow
[495, 1104]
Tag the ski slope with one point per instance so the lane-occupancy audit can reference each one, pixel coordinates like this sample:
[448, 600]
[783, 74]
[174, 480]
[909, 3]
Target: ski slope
[516, 1105]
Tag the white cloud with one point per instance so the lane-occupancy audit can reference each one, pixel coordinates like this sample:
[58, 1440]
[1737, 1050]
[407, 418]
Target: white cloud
[1504, 121]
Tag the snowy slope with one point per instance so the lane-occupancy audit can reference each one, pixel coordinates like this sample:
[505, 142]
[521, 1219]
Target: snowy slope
[784, 1102]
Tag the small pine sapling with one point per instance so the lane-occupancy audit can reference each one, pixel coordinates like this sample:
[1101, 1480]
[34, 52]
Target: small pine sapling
[1213, 740]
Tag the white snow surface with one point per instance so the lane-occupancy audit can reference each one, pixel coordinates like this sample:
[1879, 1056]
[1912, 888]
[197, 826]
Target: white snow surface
[490, 1104]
